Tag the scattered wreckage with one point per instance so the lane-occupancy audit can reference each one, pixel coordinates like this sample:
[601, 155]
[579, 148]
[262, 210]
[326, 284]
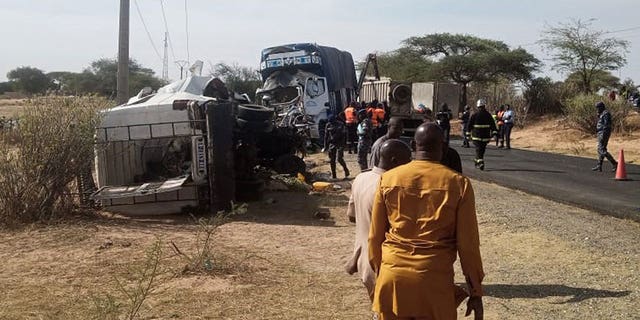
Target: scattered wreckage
[192, 145]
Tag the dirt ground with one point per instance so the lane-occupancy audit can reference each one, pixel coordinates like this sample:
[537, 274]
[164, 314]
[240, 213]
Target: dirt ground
[10, 108]
[542, 260]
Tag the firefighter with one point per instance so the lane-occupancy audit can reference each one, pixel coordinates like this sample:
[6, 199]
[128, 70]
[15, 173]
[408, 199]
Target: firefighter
[351, 122]
[481, 128]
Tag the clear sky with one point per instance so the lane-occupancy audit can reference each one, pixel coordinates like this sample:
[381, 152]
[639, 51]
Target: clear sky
[65, 35]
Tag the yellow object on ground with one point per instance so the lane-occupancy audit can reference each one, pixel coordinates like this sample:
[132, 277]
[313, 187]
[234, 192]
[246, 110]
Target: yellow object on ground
[321, 185]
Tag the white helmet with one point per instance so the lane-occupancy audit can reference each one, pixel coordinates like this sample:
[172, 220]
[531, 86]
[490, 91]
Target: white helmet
[481, 103]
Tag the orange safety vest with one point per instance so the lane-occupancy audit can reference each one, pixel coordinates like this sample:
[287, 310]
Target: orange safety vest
[350, 115]
[379, 113]
[500, 121]
[372, 112]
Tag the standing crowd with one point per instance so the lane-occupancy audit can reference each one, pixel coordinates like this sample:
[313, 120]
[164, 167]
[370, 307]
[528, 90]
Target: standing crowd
[356, 129]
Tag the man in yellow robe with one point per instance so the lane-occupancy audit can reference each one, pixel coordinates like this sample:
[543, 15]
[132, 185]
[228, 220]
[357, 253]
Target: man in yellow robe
[423, 214]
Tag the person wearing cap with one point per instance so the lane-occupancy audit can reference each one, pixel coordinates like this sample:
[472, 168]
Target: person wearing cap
[334, 141]
[481, 128]
[603, 129]
[465, 120]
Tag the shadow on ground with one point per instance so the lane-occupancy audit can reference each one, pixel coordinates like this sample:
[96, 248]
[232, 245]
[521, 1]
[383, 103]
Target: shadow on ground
[539, 291]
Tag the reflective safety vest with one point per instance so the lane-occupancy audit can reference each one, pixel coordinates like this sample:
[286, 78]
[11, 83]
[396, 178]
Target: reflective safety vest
[481, 126]
[372, 113]
[350, 115]
[500, 120]
[379, 114]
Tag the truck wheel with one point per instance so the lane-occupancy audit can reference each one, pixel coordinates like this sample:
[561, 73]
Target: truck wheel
[289, 164]
[253, 112]
[255, 125]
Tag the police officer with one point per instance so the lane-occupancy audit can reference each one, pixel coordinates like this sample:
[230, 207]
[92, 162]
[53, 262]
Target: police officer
[365, 139]
[465, 121]
[481, 128]
[334, 141]
[603, 129]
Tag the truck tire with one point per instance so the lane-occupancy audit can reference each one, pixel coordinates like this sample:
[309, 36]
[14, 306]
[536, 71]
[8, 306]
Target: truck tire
[289, 164]
[255, 125]
[401, 93]
[254, 112]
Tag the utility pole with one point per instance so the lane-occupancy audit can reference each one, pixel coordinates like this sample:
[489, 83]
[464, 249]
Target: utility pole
[122, 87]
[165, 58]
[181, 64]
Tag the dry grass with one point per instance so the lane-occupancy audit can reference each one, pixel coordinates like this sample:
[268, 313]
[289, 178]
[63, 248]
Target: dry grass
[51, 148]
[11, 108]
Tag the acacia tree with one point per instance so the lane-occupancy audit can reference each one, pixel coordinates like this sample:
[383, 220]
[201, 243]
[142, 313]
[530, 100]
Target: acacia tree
[240, 79]
[403, 64]
[29, 80]
[464, 59]
[578, 49]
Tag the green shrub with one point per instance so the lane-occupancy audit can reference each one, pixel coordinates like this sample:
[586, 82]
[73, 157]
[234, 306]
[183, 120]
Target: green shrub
[54, 144]
[581, 114]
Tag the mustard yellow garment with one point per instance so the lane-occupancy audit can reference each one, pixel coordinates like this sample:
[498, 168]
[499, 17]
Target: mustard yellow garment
[423, 213]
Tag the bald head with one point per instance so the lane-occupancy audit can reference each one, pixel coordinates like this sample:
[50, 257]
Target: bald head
[429, 141]
[394, 153]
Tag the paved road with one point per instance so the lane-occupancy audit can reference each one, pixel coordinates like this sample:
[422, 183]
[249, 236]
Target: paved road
[561, 178]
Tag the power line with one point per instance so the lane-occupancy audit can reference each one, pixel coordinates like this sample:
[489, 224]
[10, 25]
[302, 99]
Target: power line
[147, 30]
[186, 20]
[166, 29]
[622, 30]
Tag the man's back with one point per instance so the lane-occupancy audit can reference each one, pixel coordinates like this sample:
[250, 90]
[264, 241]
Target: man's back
[481, 124]
[423, 214]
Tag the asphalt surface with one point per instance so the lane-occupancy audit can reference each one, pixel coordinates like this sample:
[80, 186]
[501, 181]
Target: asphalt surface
[561, 178]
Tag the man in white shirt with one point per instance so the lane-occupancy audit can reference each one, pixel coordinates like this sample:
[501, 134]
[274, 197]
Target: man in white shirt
[392, 154]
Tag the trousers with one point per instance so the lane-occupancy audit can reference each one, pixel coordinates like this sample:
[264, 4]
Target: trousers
[481, 148]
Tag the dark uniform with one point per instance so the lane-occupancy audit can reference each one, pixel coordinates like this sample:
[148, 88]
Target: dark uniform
[365, 139]
[443, 119]
[481, 127]
[334, 141]
[465, 121]
[603, 129]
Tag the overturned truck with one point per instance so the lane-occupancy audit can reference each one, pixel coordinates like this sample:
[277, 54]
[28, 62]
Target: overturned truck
[191, 146]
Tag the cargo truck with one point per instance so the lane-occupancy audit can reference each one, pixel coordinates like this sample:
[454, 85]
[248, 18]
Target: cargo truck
[304, 82]
[405, 98]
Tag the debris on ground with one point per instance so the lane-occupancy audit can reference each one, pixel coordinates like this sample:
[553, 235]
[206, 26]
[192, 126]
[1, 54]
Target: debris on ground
[322, 214]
